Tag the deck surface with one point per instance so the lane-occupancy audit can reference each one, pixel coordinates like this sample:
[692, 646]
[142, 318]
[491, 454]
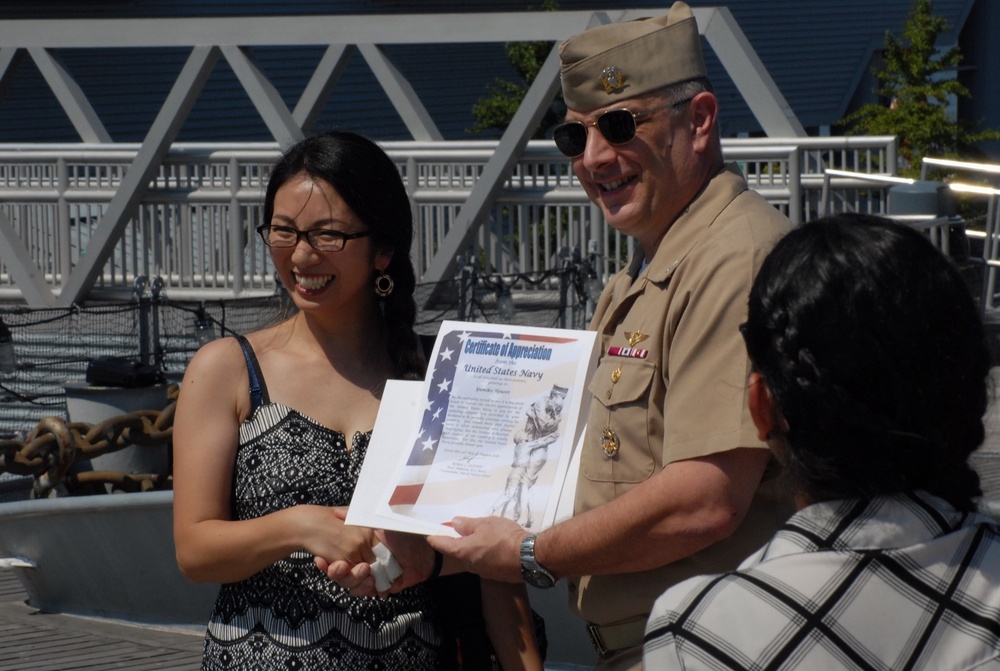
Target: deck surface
[30, 639]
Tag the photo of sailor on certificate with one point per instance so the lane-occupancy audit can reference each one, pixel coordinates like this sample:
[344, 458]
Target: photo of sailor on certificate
[500, 417]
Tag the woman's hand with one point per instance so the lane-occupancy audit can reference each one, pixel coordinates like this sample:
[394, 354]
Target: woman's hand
[411, 551]
[328, 538]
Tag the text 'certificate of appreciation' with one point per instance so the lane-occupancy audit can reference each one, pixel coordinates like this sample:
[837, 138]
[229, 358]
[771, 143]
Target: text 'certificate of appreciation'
[496, 425]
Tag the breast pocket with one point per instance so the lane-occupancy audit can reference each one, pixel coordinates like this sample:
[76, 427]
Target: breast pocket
[621, 405]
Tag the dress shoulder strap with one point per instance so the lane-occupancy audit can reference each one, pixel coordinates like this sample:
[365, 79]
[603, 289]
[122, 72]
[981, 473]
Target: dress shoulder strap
[427, 344]
[258, 390]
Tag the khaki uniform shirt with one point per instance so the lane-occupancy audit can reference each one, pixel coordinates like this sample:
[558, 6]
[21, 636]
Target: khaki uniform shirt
[687, 396]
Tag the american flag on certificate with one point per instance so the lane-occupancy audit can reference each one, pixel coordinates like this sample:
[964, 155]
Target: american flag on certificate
[443, 371]
[435, 412]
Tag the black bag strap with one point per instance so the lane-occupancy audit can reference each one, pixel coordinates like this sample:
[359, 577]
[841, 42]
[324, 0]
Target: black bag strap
[258, 390]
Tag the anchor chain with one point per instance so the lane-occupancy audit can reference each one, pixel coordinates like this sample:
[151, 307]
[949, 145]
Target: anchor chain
[55, 444]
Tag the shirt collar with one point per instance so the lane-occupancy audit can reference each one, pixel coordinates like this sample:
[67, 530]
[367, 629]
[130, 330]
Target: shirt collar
[692, 222]
[883, 523]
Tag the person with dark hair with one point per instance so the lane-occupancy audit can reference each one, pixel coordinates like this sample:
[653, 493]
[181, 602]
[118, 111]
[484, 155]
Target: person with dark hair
[272, 428]
[870, 382]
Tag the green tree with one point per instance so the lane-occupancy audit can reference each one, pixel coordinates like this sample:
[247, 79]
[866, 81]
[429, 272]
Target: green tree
[917, 95]
[495, 110]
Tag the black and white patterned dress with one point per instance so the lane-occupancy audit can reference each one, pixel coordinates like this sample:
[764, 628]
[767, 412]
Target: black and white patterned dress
[289, 616]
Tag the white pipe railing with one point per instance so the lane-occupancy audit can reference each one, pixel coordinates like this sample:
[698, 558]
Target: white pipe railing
[194, 226]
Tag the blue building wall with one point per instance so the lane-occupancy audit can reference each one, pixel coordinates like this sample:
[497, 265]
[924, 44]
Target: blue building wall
[981, 48]
[819, 53]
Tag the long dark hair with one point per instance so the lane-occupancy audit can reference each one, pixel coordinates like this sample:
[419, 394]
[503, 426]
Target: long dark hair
[876, 355]
[368, 181]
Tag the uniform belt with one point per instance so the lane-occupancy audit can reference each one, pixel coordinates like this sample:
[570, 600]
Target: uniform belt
[610, 637]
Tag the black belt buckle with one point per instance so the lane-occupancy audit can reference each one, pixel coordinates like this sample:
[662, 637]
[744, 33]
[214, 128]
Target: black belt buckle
[594, 632]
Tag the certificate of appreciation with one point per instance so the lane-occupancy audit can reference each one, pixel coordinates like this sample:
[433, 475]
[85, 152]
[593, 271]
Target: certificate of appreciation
[491, 431]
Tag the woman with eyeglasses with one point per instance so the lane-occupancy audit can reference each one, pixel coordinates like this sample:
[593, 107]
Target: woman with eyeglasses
[869, 382]
[271, 432]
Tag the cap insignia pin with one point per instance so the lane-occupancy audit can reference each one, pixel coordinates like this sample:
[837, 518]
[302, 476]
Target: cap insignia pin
[612, 79]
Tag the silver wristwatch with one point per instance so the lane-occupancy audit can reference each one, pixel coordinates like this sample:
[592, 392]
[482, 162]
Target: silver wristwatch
[534, 573]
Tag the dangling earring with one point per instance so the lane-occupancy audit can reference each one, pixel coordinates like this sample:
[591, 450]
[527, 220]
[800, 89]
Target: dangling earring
[383, 284]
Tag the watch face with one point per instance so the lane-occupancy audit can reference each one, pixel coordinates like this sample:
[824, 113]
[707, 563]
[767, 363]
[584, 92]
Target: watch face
[533, 574]
[538, 579]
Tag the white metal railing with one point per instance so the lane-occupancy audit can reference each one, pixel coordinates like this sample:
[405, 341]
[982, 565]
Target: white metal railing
[990, 235]
[936, 227]
[194, 226]
[988, 169]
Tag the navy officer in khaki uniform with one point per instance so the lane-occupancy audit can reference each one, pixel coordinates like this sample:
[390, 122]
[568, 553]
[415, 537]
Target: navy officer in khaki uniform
[674, 481]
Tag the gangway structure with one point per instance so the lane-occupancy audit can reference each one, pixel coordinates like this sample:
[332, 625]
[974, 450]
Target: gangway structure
[234, 38]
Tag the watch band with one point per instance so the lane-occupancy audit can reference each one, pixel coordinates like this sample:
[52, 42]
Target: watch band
[534, 573]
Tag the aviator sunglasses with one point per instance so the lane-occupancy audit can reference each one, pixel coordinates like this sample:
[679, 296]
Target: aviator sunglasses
[617, 126]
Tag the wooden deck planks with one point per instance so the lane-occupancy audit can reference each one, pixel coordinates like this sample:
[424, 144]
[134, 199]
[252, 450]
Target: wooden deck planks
[30, 639]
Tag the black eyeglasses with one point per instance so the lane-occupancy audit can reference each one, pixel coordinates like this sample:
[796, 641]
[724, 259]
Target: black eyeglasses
[617, 127]
[320, 239]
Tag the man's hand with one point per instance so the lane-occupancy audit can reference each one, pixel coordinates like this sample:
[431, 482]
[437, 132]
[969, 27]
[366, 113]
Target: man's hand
[489, 547]
[414, 555]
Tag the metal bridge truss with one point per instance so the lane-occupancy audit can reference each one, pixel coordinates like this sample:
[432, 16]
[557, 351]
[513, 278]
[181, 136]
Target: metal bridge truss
[234, 39]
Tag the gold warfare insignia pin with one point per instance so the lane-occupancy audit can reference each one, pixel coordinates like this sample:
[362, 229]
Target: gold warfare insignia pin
[635, 337]
[612, 79]
[609, 442]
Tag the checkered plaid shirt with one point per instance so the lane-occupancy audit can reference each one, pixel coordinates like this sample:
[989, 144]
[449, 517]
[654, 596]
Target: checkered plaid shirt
[902, 582]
